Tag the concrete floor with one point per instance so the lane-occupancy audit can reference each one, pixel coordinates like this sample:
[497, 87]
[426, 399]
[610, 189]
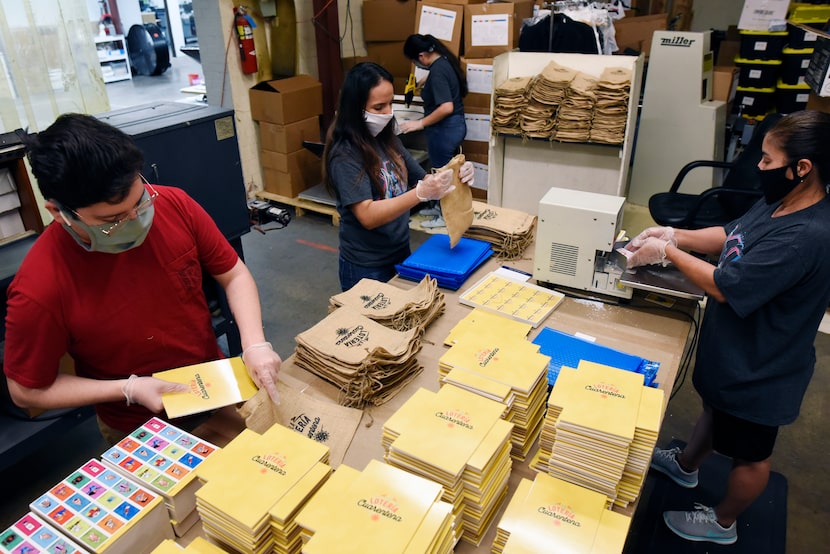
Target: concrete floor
[296, 269]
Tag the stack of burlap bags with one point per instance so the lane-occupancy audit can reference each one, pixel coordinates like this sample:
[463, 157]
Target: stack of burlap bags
[574, 119]
[509, 232]
[509, 99]
[611, 110]
[367, 361]
[547, 91]
[399, 309]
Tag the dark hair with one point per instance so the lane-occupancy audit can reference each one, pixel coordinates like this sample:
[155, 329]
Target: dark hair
[415, 44]
[79, 161]
[349, 128]
[805, 135]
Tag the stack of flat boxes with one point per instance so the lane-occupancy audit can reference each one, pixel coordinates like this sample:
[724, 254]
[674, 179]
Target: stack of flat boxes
[288, 112]
[11, 222]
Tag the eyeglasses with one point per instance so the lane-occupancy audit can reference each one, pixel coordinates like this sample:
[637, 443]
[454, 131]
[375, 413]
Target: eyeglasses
[138, 210]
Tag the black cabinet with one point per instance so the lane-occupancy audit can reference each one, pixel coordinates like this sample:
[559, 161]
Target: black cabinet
[195, 148]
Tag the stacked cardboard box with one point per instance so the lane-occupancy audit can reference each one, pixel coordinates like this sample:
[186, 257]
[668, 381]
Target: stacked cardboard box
[386, 25]
[288, 112]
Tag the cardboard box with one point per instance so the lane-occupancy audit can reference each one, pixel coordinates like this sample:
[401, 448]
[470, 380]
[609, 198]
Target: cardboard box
[491, 29]
[390, 56]
[388, 20]
[479, 72]
[724, 83]
[818, 72]
[286, 100]
[636, 32]
[290, 174]
[474, 147]
[817, 103]
[443, 21]
[288, 138]
[478, 124]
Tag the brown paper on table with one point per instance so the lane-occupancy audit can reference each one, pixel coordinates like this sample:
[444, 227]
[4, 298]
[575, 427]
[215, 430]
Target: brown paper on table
[457, 205]
[325, 422]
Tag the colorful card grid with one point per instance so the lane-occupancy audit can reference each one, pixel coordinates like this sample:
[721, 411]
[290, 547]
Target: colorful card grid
[30, 535]
[93, 504]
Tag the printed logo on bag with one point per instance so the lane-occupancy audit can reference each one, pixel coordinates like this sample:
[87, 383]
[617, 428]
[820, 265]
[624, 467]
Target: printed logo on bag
[382, 506]
[309, 427]
[275, 462]
[605, 390]
[352, 337]
[677, 40]
[486, 214]
[561, 513]
[484, 356]
[378, 302]
[456, 417]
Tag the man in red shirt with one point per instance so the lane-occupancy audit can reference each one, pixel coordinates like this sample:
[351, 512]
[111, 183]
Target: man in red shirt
[116, 282]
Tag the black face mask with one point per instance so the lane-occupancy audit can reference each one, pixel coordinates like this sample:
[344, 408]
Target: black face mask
[775, 184]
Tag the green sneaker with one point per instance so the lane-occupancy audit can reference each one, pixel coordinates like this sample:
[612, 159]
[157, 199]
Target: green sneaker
[665, 461]
[701, 525]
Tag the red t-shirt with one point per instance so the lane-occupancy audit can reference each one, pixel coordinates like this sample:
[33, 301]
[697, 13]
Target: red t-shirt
[136, 312]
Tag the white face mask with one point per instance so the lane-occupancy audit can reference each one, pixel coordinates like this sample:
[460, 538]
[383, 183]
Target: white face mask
[377, 122]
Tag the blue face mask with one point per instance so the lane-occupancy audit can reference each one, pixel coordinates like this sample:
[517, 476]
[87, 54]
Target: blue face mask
[128, 234]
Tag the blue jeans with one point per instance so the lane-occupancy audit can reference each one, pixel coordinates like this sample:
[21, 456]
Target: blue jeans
[444, 138]
[351, 273]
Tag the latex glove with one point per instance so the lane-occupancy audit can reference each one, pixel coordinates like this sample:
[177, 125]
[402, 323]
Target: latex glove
[467, 174]
[662, 233]
[147, 391]
[412, 125]
[434, 186]
[652, 251]
[263, 365]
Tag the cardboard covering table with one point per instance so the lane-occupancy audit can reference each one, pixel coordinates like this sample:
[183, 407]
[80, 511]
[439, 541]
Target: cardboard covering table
[656, 335]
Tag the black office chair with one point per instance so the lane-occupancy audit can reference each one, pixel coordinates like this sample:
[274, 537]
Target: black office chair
[717, 205]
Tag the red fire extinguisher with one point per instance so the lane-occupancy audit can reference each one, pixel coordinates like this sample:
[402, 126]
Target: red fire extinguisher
[245, 36]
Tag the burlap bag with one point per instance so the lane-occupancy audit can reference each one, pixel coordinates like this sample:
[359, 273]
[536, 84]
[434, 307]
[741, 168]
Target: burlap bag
[457, 205]
[325, 422]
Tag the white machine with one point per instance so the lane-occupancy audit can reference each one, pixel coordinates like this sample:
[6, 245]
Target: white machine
[575, 241]
[679, 122]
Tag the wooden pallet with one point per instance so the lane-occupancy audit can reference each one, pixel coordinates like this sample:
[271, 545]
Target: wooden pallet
[301, 205]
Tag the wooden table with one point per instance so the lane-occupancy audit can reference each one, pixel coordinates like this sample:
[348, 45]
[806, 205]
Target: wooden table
[656, 335]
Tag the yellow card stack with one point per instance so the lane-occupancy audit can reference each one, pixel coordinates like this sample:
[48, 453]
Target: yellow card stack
[381, 509]
[163, 457]
[480, 320]
[198, 546]
[591, 427]
[457, 439]
[506, 369]
[551, 515]
[256, 485]
[393, 307]
[370, 363]
[105, 512]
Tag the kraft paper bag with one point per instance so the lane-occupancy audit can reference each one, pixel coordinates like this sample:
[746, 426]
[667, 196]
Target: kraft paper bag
[457, 205]
[325, 422]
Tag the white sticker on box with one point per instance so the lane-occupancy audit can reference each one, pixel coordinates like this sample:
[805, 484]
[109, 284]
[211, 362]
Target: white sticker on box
[805, 63]
[489, 30]
[437, 22]
[480, 78]
[478, 127]
[761, 46]
[747, 101]
[802, 97]
[754, 73]
[810, 36]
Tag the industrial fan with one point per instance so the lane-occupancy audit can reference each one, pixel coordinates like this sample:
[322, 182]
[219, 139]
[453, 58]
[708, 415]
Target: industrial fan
[148, 49]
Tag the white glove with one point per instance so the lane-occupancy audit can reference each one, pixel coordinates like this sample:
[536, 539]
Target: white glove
[434, 186]
[467, 174]
[412, 125]
[263, 365]
[662, 233]
[147, 391]
[652, 251]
